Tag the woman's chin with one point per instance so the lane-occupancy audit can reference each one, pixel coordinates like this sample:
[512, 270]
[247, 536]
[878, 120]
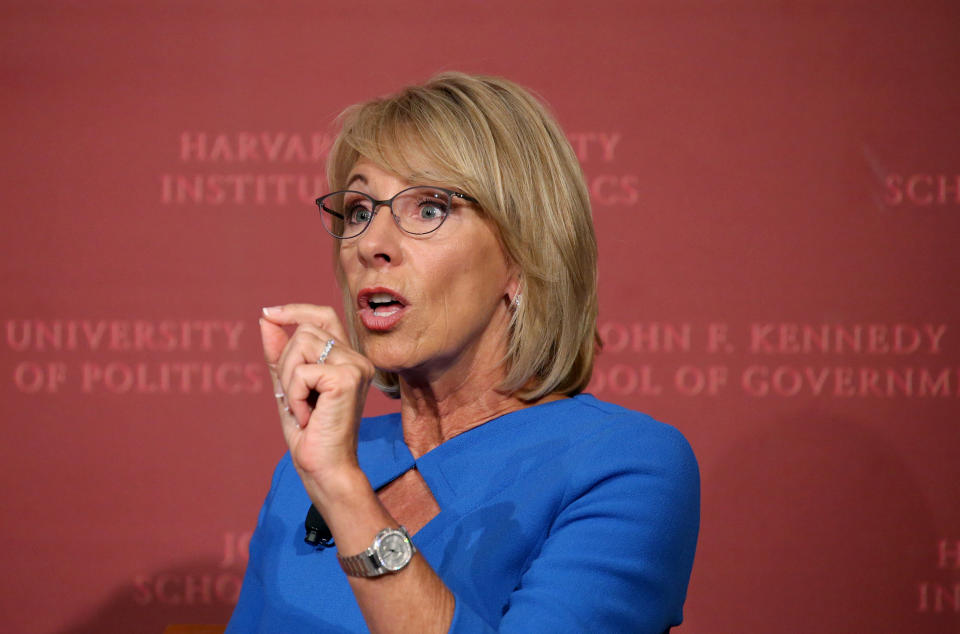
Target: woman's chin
[387, 359]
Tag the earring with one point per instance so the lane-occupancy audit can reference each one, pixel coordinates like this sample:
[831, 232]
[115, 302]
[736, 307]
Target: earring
[516, 300]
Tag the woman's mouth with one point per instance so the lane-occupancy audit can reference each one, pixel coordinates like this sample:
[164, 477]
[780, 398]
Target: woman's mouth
[384, 304]
[380, 308]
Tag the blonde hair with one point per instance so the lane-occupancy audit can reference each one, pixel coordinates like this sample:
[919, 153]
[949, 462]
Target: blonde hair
[490, 138]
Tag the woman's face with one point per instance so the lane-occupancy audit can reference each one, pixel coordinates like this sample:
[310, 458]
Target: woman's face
[452, 287]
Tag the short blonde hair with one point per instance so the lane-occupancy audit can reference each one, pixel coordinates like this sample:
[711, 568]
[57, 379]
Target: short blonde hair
[491, 139]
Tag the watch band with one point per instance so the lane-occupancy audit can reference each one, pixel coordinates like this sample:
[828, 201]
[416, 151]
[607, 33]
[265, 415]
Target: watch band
[361, 565]
[391, 551]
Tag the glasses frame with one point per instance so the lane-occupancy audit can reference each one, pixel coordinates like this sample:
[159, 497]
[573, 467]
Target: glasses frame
[389, 203]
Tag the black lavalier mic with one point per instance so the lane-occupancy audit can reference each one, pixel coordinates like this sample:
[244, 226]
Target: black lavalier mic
[318, 534]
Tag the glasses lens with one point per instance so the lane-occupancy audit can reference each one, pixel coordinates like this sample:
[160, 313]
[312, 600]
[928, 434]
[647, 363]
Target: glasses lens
[346, 214]
[421, 209]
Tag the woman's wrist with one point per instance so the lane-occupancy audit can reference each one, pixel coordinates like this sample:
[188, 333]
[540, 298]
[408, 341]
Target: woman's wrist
[338, 487]
[352, 511]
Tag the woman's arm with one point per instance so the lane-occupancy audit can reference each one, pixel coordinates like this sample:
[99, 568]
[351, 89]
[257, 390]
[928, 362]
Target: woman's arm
[322, 438]
[618, 550]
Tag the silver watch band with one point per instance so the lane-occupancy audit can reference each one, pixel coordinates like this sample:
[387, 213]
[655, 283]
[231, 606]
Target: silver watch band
[370, 562]
[362, 565]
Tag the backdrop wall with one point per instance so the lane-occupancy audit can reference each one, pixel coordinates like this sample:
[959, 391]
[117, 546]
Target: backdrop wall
[777, 195]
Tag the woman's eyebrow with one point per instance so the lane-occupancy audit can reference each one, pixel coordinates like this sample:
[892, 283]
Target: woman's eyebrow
[357, 177]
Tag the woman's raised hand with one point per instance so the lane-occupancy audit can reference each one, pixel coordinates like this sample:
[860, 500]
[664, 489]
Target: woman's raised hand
[320, 396]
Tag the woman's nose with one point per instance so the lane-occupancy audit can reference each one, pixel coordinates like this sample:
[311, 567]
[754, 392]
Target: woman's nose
[380, 243]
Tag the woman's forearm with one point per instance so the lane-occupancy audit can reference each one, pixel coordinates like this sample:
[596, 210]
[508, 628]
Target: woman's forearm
[413, 599]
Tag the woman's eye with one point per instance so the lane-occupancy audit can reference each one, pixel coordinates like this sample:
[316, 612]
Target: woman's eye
[359, 214]
[432, 211]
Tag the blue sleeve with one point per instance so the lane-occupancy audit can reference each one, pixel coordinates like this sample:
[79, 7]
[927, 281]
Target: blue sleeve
[246, 614]
[619, 553]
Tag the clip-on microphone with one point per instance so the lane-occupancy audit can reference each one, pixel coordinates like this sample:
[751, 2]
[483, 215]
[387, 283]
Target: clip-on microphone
[318, 534]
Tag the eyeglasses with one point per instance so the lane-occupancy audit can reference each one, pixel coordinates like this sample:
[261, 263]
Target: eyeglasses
[416, 210]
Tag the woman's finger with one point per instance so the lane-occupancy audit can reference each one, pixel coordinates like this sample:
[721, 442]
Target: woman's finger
[303, 382]
[346, 383]
[323, 317]
[305, 346]
[274, 338]
[309, 350]
[283, 407]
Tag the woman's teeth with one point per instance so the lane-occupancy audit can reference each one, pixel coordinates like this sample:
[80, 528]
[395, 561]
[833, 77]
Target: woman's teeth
[384, 304]
[386, 311]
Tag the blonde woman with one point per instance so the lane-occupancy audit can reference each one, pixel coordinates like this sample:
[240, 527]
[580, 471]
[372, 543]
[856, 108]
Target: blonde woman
[500, 497]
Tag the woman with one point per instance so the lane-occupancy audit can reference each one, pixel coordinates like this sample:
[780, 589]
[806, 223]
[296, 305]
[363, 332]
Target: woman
[466, 254]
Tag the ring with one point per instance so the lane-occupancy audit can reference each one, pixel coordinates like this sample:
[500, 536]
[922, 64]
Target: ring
[326, 351]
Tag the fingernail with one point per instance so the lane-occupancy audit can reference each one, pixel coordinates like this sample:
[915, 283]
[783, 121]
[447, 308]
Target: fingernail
[271, 309]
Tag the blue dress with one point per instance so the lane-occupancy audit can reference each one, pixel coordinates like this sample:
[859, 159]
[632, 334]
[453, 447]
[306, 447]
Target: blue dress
[570, 516]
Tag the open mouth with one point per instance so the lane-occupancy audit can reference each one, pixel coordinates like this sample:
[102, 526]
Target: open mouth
[380, 309]
[384, 304]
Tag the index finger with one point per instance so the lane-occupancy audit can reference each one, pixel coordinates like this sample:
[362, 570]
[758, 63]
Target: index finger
[323, 317]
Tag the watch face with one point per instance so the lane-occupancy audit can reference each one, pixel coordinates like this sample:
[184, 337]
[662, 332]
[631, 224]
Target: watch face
[394, 550]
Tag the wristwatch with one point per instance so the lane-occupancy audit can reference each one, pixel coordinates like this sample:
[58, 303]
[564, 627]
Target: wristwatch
[391, 551]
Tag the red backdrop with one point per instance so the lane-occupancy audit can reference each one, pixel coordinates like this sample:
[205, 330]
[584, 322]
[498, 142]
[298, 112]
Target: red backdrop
[777, 195]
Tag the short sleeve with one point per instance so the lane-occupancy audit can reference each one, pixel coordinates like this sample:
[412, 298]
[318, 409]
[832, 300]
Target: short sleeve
[619, 553]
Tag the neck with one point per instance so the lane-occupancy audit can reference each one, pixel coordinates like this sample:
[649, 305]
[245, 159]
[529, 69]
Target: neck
[442, 400]
[432, 413]
[435, 411]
